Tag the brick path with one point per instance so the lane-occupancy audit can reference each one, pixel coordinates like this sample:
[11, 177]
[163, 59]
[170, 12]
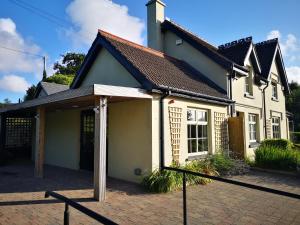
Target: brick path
[22, 200]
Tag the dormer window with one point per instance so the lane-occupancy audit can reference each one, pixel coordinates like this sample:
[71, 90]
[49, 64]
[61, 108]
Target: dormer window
[274, 91]
[249, 83]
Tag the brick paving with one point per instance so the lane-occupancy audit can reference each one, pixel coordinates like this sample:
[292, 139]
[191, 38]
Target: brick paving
[22, 200]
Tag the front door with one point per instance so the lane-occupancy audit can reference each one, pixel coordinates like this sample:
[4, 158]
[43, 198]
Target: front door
[87, 140]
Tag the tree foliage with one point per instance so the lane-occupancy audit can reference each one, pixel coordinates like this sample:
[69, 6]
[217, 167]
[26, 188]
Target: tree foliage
[293, 103]
[30, 92]
[70, 64]
[60, 79]
[5, 102]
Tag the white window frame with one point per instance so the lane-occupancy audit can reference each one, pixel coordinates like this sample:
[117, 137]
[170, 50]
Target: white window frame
[198, 123]
[252, 122]
[274, 90]
[248, 83]
[276, 133]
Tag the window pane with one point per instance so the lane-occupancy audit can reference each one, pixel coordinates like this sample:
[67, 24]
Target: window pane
[202, 145]
[193, 145]
[202, 116]
[193, 131]
[191, 115]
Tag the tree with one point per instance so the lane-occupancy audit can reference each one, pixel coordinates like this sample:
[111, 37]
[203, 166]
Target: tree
[5, 103]
[60, 79]
[293, 103]
[30, 92]
[71, 63]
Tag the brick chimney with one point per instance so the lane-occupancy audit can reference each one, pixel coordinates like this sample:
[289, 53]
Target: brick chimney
[155, 16]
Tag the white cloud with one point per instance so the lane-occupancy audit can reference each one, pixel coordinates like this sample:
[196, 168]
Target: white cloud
[105, 15]
[11, 62]
[288, 46]
[293, 73]
[13, 83]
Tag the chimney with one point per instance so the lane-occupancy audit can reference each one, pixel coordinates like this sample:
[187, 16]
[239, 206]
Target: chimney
[155, 16]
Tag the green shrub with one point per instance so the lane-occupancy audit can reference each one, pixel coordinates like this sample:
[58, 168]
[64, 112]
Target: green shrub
[222, 163]
[271, 157]
[60, 79]
[278, 143]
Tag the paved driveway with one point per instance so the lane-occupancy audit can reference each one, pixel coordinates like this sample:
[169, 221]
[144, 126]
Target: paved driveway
[22, 200]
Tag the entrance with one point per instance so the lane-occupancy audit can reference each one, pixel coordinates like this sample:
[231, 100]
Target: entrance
[87, 127]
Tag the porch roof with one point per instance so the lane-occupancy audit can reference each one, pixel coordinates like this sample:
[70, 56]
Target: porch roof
[80, 93]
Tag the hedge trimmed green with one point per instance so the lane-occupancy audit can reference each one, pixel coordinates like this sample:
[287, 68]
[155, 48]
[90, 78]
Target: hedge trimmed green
[272, 157]
[282, 144]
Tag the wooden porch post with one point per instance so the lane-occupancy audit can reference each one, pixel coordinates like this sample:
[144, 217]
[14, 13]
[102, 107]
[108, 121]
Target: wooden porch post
[40, 142]
[100, 148]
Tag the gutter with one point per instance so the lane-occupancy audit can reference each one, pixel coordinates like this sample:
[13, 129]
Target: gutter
[162, 129]
[264, 107]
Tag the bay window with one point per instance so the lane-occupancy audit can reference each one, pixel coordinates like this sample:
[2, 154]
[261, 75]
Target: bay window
[197, 121]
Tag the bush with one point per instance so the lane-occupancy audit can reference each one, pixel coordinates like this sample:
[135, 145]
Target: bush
[278, 143]
[166, 180]
[295, 137]
[60, 79]
[222, 163]
[271, 157]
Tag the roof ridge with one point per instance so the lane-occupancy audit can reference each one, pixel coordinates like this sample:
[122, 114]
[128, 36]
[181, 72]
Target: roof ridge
[267, 41]
[133, 44]
[192, 33]
[236, 42]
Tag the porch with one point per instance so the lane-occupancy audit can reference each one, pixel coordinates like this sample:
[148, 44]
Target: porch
[58, 130]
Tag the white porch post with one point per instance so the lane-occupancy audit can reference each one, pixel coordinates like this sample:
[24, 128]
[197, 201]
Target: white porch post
[100, 148]
[40, 142]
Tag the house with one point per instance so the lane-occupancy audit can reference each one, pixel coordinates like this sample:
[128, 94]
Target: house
[132, 109]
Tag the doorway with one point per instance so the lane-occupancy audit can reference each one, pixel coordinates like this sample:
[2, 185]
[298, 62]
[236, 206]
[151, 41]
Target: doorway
[87, 127]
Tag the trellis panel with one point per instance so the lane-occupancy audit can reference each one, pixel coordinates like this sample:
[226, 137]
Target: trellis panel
[221, 131]
[175, 119]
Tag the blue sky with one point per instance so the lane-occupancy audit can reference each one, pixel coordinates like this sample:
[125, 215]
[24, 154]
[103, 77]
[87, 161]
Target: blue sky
[76, 22]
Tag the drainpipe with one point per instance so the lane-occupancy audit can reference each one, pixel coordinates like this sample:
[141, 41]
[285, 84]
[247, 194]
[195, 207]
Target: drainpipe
[230, 76]
[265, 111]
[162, 129]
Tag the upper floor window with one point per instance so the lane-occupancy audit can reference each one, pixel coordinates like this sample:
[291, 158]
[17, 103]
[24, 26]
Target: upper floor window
[197, 131]
[274, 90]
[252, 127]
[276, 127]
[249, 82]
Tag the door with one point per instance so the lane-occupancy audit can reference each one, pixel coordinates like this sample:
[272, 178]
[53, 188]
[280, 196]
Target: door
[87, 140]
[236, 136]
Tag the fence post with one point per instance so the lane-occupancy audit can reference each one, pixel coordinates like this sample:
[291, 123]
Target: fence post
[184, 200]
[66, 215]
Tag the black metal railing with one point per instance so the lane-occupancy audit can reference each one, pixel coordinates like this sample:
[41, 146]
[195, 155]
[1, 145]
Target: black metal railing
[68, 202]
[224, 180]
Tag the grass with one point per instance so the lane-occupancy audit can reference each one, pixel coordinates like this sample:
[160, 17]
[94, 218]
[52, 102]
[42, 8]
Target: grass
[165, 181]
[273, 157]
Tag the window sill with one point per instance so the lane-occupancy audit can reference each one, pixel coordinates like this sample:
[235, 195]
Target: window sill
[274, 99]
[248, 96]
[195, 157]
[254, 144]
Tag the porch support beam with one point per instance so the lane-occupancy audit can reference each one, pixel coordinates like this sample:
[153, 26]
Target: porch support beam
[40, 142]
[100, 148]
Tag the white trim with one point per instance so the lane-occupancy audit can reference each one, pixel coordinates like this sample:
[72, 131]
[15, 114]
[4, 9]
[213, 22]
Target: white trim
[240, 71]
[255, 55]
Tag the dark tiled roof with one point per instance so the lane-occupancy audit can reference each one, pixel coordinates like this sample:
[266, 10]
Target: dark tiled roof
[162, 70]
[265, 51]
[236, 50]
[50, 88]
[200, 44]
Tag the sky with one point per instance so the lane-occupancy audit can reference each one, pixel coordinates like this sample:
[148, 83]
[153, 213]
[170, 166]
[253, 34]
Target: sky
[53, 27]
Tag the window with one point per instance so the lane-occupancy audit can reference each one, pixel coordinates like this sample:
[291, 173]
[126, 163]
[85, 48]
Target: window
[197, 131]
[276, 127]
[252, 127]
[248, 82]
[274, 90]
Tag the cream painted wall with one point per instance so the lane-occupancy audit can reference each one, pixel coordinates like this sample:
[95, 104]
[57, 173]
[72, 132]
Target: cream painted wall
[195, 58]
[277, 108]
[107, 70]
[184, 104]
[62, 138]
[129, 139]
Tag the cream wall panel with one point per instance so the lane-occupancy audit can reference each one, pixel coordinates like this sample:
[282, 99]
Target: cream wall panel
[107, 70]
[195, 58]
[62, 138]
[129, 139]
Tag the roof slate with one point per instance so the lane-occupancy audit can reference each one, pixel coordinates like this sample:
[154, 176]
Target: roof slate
[237, 50]
[265, 52]
[52, 88]
[162, 70]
